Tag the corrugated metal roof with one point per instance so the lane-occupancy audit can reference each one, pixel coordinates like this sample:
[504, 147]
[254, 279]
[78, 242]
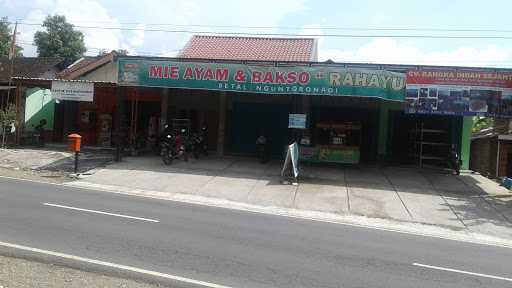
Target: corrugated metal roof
[81, 63]
[29, 66]
[59, 79]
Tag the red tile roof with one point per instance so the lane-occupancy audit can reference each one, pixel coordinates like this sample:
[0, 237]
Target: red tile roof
[250, 48]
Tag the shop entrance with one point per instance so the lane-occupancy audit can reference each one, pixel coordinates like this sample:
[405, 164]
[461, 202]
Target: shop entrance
[341, 130]
[346, 129]
[143, 109]
[251, 119]
[424, 140]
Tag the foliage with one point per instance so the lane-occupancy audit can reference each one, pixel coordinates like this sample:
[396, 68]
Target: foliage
[480, 123]
[6, 38]
[8, 115]
[121, 52]
[60, 39]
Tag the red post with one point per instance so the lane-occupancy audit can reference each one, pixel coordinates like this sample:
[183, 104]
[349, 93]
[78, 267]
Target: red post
[75, 141]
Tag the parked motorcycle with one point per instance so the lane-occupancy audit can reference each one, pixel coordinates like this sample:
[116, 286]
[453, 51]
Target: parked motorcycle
[173, 147]
[455, 161]
[199, 143]
[262, 148]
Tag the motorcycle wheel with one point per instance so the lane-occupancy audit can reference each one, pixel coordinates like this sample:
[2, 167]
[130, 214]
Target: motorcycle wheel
[261, 158]
[166, 158]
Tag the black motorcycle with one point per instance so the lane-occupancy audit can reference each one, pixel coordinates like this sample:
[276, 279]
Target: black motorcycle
[455, 161]
[173, 147]
[199, 143]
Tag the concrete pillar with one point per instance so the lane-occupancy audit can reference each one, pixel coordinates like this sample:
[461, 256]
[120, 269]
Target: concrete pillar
[306, 108]
[120, 129]
[465, 143]
[164, 103]
[382, 140]
[222, 124]
[385, 127]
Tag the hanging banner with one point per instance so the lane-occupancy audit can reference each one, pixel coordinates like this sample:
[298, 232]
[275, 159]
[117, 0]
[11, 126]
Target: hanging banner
[305, 80]
[73, 91]
[469, 93]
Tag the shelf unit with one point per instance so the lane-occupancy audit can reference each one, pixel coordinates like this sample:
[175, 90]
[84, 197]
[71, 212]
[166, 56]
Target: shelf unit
[429, 144]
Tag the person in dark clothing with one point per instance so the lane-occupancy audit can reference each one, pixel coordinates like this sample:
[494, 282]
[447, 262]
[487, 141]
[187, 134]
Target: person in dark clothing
[40, 131]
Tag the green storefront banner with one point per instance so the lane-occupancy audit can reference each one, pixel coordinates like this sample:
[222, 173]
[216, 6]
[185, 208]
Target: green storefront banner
[305, 80]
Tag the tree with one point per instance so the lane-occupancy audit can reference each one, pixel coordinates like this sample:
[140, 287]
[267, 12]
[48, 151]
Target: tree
[6, 38]
[121, 52]
[60, 39]
[480, 123]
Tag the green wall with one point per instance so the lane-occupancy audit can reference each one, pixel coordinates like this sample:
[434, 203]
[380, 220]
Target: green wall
[461, 136]
[385, 128]
[467, 125]
[39, 105]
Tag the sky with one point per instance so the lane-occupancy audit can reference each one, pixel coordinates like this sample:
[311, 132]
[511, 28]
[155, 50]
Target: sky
[330, 21]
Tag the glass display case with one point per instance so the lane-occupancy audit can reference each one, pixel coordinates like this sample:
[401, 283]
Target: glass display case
[336, 142]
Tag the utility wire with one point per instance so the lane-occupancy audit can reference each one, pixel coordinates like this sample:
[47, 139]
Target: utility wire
[107, 49]
[390, 60]
[293, 28]
[297, 35]
[502, 64]
[286, 34]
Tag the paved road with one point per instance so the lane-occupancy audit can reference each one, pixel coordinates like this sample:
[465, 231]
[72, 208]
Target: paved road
[235, 248]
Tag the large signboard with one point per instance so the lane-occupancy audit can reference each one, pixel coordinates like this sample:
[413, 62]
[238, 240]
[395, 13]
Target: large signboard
[73, 91]
[459, 93]
[306, 80]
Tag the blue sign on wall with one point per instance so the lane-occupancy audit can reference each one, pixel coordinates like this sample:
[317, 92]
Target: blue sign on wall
[297, 121]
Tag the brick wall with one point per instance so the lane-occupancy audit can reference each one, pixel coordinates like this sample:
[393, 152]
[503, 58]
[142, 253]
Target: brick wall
[502, 168]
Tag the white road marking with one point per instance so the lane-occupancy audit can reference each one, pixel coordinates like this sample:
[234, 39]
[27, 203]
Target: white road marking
[113, 265]
[463, 272]
[101, 212]
[501, 244]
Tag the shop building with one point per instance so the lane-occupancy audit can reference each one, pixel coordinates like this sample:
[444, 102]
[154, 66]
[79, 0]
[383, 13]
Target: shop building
[242, 87]
[92, 119]
[34, 102]
[353, 112]
[491, 150]
[241, 99]
[65, 114]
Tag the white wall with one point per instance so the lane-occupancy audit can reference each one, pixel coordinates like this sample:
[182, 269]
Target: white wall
[107, 73]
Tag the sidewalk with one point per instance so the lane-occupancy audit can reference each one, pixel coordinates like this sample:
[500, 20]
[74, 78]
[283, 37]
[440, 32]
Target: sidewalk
[468, 202]
[51, 159]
